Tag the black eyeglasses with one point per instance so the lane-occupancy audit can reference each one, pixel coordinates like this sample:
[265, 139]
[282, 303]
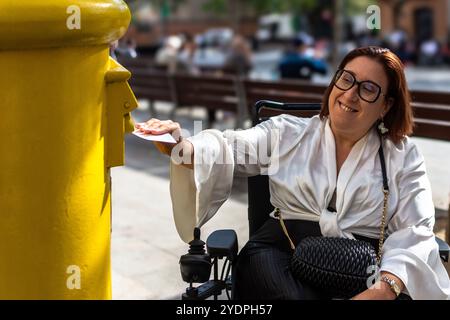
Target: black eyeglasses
[367, 90]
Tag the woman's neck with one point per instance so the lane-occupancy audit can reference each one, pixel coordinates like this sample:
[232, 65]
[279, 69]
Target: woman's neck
[345, 140]
[344, 145]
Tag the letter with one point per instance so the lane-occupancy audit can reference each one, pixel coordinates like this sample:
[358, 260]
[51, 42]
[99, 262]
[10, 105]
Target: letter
[187, 310]
[179, 310]
[374, 275]
[179, 154]
[73, 22]
[269, 153]
[206, 311]
[198, 310]
[198, 127]
[236, 307]
[74, 280]
[241, 146]
[255, 309]
[373, 21]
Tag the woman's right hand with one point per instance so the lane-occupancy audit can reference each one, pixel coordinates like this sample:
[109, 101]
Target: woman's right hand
[157, 127]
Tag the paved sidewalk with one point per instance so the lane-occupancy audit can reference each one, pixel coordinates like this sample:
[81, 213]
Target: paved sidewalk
[145, 245]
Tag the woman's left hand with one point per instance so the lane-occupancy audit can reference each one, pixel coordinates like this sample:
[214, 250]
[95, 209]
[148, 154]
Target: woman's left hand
[379, 291]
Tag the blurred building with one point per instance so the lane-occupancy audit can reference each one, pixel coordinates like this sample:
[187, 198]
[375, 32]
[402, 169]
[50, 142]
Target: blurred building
[192, 18]
[420, 19]
[151, 22]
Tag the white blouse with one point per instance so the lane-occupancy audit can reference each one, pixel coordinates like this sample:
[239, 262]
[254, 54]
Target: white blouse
[299, 156]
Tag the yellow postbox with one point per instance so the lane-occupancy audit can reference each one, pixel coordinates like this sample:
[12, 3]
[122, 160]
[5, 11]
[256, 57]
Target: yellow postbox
[64, 110]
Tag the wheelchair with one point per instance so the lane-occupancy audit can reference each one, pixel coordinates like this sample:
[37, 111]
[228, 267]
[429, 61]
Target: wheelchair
[222, 245]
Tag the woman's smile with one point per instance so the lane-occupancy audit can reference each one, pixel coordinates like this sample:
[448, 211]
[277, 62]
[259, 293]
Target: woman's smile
[346, 107]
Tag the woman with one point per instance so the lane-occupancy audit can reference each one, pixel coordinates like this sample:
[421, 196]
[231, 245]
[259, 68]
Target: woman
[325, 179]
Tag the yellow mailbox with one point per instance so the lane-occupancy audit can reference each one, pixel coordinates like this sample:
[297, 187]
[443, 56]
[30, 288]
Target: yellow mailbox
[64, 110]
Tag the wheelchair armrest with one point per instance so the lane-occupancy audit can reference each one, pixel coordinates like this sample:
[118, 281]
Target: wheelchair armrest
[222, 243]
[444, 249]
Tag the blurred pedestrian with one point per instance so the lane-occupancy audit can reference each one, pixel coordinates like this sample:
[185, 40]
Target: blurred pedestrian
[186, 55]
[167, 55]
[239, 59]
[429, 52]
[127, 49]
[301, 61]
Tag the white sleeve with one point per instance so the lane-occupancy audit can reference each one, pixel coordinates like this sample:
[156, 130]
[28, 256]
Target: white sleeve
[198, 194]
[411, 252]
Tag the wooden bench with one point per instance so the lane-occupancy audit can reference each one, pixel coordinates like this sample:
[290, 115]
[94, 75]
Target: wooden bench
[213, 92]
[432, 120]
[140, 63]
[431, 114]
[153, 85]
[288, 91]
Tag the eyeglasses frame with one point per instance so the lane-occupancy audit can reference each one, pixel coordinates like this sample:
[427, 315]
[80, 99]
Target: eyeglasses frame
[340, 71]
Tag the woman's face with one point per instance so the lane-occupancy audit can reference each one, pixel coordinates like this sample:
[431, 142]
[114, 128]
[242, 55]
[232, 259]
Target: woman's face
[350, 116]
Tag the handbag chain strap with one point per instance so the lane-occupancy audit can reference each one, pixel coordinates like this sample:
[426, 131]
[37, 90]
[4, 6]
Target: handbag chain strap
[383, 225]
[385, 200]
[277, 212]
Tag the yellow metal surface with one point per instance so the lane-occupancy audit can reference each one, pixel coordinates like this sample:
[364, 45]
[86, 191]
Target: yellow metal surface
[56, 23]
[121, 101]
[63, 114]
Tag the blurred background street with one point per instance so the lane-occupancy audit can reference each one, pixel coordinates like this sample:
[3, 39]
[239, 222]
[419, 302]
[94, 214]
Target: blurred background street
[212, 35]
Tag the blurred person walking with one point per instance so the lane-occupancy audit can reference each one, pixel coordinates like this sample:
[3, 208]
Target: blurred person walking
[239, 59]
[186, 54]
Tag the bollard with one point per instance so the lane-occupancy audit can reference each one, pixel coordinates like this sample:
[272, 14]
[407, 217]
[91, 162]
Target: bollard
[65, 107]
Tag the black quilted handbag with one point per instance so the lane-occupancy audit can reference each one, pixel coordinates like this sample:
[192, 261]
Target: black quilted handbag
[338, 266]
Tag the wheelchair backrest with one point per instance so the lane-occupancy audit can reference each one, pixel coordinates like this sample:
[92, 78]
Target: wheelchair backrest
[259, 206]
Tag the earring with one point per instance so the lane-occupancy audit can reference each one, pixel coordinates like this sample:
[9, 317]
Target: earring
[382, 128]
